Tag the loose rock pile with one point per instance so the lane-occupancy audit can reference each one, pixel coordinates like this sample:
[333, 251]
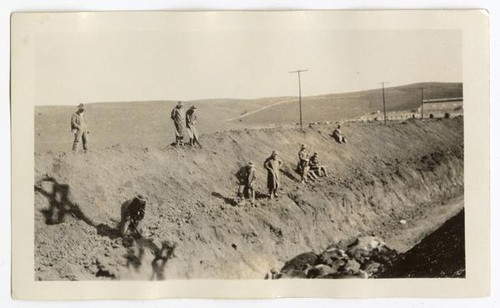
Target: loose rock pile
[361, 259]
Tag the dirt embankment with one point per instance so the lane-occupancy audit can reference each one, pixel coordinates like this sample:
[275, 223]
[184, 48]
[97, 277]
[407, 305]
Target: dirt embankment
[441, 254]
[383, 175]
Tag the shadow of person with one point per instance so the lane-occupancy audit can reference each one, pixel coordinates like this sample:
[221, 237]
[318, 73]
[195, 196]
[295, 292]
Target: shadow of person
[227, 200]
[60, 205]
[57, 209]
[260, 195]
[162, 256]
[290, 173]
[107, 231]
[134, 257]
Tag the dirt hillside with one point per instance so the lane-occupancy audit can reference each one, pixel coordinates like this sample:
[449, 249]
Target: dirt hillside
[411, 171]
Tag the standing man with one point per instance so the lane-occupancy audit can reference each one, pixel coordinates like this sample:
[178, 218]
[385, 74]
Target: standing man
[246, 178]
[191, 126]
[79, 128]
[177, 117]
[303, 165]
[273, 165]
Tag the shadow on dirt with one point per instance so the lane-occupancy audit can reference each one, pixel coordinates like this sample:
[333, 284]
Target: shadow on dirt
[161, 254]
[58, 195]
[260, 195]
[290, 173]
[231, 201]
[227, 200]
[60, 206]
[107, 231]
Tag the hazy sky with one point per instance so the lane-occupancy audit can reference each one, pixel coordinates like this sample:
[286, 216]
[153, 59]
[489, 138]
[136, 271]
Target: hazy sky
[170, 61]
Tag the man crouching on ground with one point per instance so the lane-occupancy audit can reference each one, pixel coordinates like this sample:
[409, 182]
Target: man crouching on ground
[246, 178]
[132, 212]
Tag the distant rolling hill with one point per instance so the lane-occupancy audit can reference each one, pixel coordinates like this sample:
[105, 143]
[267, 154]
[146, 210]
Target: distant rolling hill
[334, 107]
[148, 123]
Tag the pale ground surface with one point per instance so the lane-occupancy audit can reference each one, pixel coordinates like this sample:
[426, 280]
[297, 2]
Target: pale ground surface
[411, 171]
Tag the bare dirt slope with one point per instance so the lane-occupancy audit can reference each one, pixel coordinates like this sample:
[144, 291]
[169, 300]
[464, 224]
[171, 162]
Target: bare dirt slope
[382, 175]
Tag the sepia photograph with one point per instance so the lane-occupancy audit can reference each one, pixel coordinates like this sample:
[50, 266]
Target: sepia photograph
[245, 146]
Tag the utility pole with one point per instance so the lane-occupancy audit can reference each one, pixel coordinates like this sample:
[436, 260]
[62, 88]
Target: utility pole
[383, 100]
[300, 93]
[422, 103]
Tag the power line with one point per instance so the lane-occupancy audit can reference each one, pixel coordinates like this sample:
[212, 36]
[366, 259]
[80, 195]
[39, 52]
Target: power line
[422, 103]
[383, 100]
[300, 93]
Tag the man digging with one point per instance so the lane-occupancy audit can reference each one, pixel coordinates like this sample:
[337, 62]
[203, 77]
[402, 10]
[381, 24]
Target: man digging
[132, 212]
[246, 178]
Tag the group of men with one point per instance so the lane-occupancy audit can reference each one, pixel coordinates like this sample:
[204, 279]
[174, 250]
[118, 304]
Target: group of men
[246, 178]
[191, 119]
[308, 167]
[80, 129]
[81, 134]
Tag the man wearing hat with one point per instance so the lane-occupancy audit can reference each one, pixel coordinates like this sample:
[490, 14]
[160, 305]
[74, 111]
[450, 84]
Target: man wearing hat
[79, 128]
[191, 126]
[132, 212]
[246, 178]
[273, 165]
[315, 166]
[177, 117]
[337, 135]
[303, 165]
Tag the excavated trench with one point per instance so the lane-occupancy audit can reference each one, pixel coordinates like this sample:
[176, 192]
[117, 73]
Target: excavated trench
[399, 183]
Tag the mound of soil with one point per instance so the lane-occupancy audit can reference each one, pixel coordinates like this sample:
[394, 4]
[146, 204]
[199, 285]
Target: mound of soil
[441, 254]
[384, 175]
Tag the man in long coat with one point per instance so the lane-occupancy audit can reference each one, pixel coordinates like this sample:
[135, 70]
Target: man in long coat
[273, 165]
[191, 119]
[178, 119]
